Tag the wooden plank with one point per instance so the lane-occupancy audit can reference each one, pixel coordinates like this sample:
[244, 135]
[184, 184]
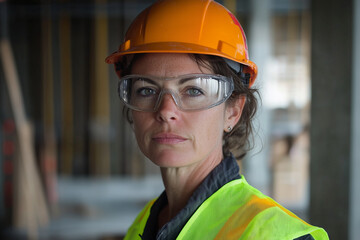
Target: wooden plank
[48, 150]
[30, 207]
[67, 137]
[100, 100]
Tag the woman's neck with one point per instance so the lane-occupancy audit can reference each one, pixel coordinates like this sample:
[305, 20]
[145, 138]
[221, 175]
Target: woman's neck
[180, 183]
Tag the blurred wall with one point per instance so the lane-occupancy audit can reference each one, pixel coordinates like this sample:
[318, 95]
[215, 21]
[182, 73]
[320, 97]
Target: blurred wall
[331, 115]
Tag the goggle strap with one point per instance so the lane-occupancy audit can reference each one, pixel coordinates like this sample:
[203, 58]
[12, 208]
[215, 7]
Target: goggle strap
[238, 69]
[235, 66]
[245, 78]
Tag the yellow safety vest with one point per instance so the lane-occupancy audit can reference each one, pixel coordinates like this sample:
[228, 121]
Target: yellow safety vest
[237, 211]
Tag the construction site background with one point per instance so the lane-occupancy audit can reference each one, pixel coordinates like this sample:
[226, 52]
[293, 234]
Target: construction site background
[70, 167]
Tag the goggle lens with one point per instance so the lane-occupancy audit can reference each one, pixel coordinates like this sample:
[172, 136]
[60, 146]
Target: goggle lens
[190, 92]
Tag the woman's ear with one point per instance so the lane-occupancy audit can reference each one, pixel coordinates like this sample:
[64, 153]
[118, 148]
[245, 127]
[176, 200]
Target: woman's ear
[233, 112]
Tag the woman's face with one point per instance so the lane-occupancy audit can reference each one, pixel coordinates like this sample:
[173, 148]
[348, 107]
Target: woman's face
[171, 137]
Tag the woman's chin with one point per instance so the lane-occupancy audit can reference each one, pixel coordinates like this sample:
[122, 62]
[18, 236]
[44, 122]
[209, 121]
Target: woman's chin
[171, 158]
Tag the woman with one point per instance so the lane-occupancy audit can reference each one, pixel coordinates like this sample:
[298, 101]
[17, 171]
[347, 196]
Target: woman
[185, 79]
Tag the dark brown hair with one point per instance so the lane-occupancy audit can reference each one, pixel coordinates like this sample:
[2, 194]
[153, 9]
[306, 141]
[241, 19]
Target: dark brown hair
[240, 139]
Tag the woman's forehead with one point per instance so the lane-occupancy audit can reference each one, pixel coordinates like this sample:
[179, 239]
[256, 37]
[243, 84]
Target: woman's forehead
[166, 64]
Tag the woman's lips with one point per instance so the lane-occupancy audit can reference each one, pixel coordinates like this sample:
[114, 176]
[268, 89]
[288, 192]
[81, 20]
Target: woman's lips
[168, 138]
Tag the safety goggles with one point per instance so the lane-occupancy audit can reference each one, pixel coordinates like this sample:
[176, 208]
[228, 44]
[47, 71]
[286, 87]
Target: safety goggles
[191, 92]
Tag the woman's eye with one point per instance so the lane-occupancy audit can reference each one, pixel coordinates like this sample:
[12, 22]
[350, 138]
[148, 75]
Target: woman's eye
[194, 92]
[146, 92]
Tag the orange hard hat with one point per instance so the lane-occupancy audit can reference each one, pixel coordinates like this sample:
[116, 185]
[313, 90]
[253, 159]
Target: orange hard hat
[187, 26]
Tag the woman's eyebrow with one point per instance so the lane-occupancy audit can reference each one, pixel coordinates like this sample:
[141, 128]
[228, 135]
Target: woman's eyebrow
[188, 78]
[145, 79]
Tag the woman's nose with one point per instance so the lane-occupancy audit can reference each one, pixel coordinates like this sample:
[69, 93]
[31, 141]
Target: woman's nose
[167, 109]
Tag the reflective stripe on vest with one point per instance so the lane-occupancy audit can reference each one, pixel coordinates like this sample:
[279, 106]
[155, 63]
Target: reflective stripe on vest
[238, 211]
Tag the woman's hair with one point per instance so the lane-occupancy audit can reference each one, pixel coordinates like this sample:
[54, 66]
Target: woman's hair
[240, 139]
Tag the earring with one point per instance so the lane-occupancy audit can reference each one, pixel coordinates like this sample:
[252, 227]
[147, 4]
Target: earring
[229, 128]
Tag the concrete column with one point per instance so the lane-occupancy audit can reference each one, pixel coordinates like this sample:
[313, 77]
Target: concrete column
[256, 166]
[354, 224]
[331, 115]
